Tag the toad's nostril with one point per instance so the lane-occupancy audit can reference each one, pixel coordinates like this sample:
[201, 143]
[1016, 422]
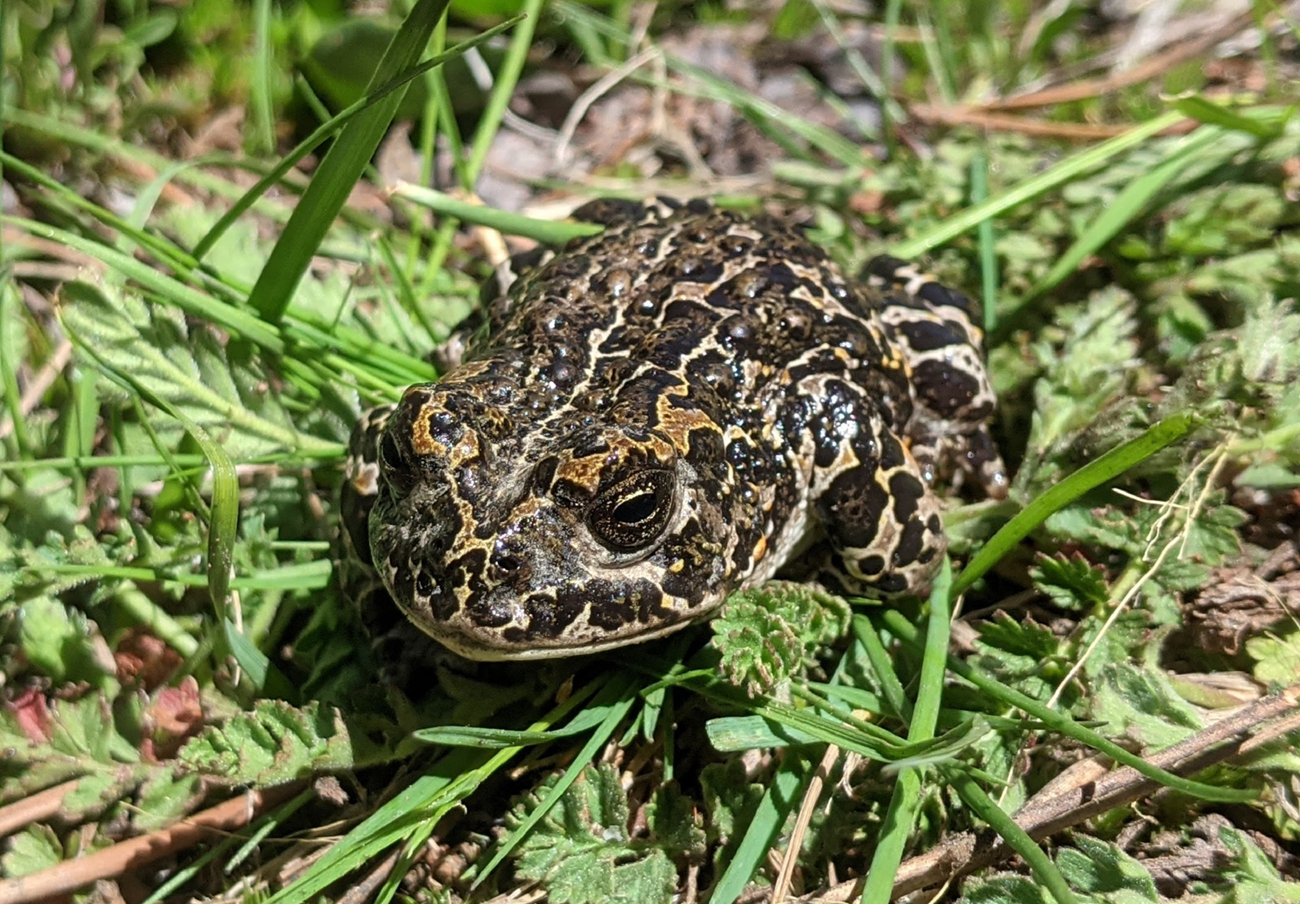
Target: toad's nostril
[508, 564]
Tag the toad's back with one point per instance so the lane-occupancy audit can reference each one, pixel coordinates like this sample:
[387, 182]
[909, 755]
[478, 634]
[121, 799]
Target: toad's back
[659, 416]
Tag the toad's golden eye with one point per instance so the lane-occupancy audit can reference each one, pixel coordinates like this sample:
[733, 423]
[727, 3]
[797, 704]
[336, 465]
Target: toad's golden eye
[632, 513]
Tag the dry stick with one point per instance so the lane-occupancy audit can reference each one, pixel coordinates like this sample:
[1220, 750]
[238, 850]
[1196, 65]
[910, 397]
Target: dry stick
[974, 116]
[1156, 66]
[360, 893]
[785, 876]
[1056, 808]
[133, 853]
[37, 388]
[35, 808]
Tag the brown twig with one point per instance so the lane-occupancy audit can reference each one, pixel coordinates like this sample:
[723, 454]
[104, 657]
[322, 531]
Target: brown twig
[34, 808]
[361, 892]
[37, 388]
[974, 116]
[1156, 66]
[1082, 793]
[789, 860]
[133, 853]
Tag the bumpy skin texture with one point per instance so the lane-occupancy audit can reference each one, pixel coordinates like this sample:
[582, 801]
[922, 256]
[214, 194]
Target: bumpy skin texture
[664, 414]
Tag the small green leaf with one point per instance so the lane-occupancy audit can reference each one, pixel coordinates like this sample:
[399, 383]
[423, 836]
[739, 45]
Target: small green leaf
[1277, 659]
[581, 851]
[1265, 124]
[1070, 582]
[1140, 703]
[770, 634]
[33, 849]
[1253, 877]
[341, 168]
[1093, 474]
[273, 744]
[1098, 868]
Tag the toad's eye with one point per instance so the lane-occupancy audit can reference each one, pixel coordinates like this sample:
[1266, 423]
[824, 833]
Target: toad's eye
[633, 512]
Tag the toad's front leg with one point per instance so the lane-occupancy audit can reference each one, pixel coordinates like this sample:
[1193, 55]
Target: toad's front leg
[880, 517]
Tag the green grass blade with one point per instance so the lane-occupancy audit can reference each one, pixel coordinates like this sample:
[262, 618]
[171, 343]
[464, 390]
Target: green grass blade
[929, 695]
[1126, 207]
[165, 251]
[616, 699]
[882, 666]
[426, 799]
[979, 191]
[448, 781]
[781, 797]
[1066, 170]
[99, 143]
[261, 107]
[12, 318]
[1063, 724]
[906, 798]
[228, 317]
[328, 128]
[550, 232]
[261, 674]
[223, 520]
[1018, 839]
[340, 169]
[1265, 124]
[1093, 474]
[261, 827]
[503, 88]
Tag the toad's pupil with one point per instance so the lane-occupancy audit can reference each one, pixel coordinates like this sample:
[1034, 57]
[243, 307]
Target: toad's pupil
[635, 509]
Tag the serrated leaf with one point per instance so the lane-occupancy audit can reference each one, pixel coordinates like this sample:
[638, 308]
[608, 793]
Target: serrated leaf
[84, 728]
[1253, 877]
[597, 880]
[274, 744]
[1214, 536]
[1141, 703]
[730, 798]
[62, 643]
[33, 849]
[1007, 890]
[770, 634]
[1092, 365]
[1277, 659]
[1223, 218]
[1018, 637]
[47, 742]
[155, 350]
[1070, 582]
[1098, 868]
[164, 797]
[581, 852]
[93, 793]
[675, 824]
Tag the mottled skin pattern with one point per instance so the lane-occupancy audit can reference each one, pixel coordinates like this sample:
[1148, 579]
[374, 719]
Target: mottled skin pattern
[664, 414]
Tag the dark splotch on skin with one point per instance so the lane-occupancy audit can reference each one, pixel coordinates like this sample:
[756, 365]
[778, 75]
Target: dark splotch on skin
[659, 416]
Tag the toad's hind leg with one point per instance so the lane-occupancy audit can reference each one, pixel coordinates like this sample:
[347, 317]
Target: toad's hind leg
[880, 517]
[937, 330]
